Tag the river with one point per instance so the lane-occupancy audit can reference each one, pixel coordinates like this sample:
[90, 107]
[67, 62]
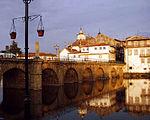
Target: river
[130, 104]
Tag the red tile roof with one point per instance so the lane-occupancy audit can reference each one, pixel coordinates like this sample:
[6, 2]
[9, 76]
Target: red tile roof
[40, 54]
[78, 42]
[101, 44]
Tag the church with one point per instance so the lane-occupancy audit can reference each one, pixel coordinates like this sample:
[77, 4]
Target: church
[87, 48]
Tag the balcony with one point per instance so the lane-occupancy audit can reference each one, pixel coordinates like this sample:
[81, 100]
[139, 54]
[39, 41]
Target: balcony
[144, 55]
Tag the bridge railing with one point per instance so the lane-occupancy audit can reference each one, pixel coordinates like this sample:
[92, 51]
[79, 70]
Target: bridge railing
[87, 60]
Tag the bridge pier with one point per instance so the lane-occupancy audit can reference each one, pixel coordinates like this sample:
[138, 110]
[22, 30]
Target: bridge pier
[35, 86]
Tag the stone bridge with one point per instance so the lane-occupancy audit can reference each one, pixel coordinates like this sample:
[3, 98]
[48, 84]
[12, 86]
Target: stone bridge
[60, 82]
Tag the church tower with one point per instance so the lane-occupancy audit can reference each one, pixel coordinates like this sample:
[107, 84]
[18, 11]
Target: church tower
[81, 35]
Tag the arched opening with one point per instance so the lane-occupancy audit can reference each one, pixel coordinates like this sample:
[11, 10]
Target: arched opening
[71, 83]
[100, 77]
[50, 86]
[113, 77]
[87, 81]
[13, 91]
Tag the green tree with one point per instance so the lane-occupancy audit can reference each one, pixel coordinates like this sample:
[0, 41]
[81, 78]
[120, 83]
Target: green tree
[14, 48]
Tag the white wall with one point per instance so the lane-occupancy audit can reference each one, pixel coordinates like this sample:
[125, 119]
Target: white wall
[76, 48]
[98, 50]
[64, 53]
[134, 61]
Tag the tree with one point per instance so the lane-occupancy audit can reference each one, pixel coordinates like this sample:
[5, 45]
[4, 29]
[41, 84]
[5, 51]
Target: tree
[14, 48]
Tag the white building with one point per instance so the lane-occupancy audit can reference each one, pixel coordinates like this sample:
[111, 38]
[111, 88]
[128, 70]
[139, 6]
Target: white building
[81, 50]
[96, 52]
[137, 54]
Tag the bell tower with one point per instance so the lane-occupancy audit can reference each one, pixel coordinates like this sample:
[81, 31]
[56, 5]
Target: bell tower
[81, 35]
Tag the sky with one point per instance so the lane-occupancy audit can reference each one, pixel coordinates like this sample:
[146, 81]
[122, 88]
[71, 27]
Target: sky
[62, 20]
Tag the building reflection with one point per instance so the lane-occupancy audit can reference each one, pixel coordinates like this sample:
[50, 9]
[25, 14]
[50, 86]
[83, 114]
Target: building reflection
[82, 110]
[138, 95]
[103, 105]
[106, 100]
[136, 101]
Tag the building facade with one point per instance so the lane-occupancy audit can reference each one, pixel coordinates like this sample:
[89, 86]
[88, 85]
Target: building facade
[137, 54]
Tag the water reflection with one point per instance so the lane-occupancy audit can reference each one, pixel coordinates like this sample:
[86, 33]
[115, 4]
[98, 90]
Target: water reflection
[48, 104]
[138, 95]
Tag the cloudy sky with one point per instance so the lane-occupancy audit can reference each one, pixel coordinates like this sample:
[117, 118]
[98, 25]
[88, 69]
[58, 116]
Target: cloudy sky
[62, 20]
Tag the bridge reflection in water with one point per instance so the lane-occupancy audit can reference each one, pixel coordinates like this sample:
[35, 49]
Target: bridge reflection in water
[76, 101]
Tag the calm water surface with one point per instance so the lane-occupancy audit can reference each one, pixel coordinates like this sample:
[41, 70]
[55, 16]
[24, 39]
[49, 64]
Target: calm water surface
[110, 106]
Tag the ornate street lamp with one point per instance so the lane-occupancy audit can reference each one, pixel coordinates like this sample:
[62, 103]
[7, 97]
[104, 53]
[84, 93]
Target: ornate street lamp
[40, 31]
[27, 99]
[57, 48]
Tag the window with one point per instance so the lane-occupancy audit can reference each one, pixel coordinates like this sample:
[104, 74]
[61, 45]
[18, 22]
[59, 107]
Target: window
[148, 60]
[142, 52]
[136, 100]
[135, 44]
[142, 60]
[143, 100]
[83, 49]
[95, 48]
[130, 68]
[149, 91]
[135, 51]
[100, 48]
[145, 68]
[148, 42]
[74, 56]
[130, 100]
[104, 48]
[148, 100]
[141, 43]
[143, 91]
[129, 43]
[100, 56]
[129, 52]
[148, 52]
[87, 49]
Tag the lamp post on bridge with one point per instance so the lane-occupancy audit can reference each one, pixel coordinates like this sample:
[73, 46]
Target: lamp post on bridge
[27, 99]
[57, 48]
[40, 31]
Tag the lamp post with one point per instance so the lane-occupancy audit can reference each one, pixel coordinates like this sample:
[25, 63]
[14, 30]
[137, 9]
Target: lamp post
[57, 48]
[27, 99]
[40, 31]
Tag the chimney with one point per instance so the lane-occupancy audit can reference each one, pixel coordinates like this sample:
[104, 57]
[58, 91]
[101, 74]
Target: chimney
[37, 50]
[7, 48]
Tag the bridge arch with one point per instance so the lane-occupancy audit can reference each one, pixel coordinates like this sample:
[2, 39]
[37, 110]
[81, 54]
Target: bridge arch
[50, 86]
[113, 78]
[100, 77]
[87, 81]
[13, 86]
[71, 83]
